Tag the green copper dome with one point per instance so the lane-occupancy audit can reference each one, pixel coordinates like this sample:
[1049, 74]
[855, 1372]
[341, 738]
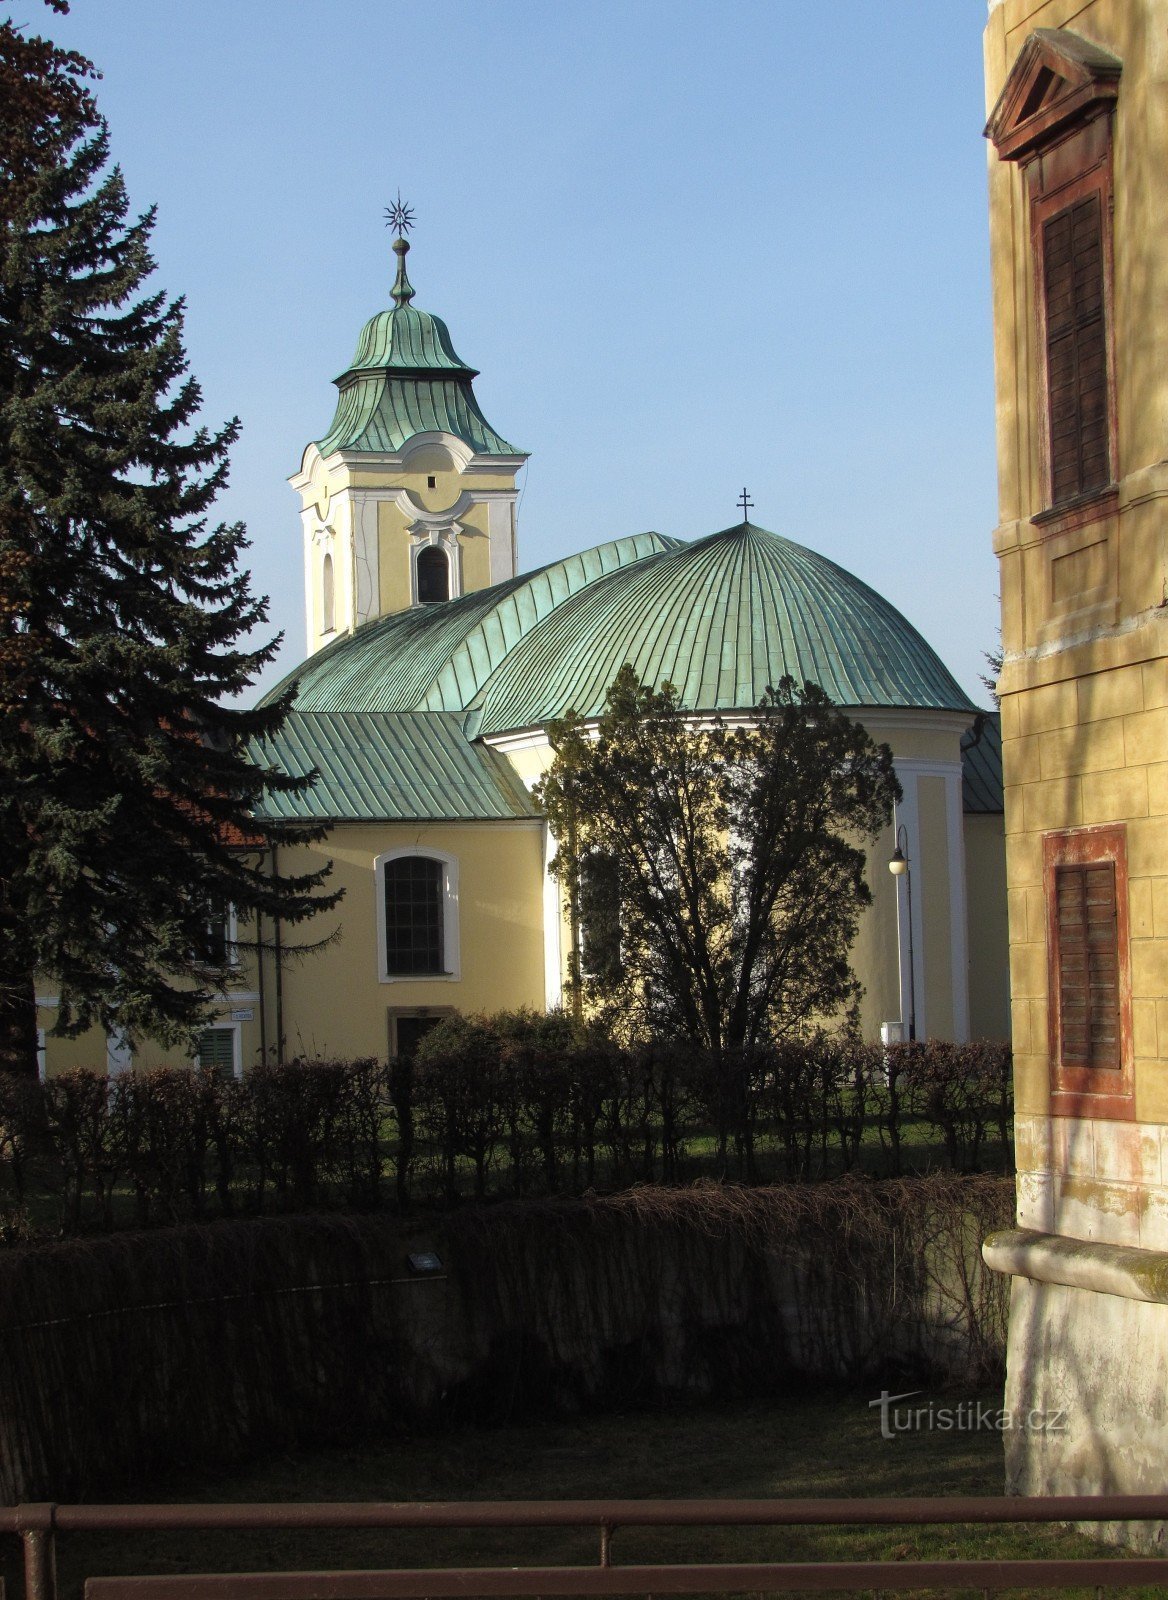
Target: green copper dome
[406, 378]
[405, 339]
[721, 618]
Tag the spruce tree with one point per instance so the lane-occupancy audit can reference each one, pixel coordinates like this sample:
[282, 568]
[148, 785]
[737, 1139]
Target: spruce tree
[130, 814]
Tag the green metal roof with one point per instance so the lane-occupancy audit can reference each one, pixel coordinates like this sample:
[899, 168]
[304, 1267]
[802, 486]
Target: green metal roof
[407, 378]
[437, 657]
[389, 715]
[407, 339]
[982, 789]
[721, 619]
[381, 411]
[381, 767]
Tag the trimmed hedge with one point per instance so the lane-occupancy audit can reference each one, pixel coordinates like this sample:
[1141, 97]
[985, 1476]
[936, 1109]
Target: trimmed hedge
[501, 1106]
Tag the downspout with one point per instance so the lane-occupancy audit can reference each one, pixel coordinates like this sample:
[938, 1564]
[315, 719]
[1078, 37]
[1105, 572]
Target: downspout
[574, 975]
[260, 987]
[277, 951]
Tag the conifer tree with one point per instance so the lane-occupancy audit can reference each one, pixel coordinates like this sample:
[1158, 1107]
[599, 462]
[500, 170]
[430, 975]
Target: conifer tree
[128, 805]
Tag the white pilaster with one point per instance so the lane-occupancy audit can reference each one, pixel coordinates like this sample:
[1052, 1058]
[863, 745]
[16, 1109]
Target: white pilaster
[909, 904]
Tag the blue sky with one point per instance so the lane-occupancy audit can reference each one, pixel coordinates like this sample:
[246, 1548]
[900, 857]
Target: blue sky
[690, 247]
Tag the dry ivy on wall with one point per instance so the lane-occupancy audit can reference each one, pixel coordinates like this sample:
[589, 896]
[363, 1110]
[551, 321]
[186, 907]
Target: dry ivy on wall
[204, 1344]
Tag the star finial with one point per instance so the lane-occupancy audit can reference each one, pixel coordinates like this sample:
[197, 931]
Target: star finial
[745, 502]
[399, 215]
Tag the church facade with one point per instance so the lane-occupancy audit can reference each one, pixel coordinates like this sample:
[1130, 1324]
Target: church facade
[434, 666]
[1077, 91]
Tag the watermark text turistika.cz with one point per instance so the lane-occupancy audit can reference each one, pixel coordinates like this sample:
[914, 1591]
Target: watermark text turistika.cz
[964, 1416]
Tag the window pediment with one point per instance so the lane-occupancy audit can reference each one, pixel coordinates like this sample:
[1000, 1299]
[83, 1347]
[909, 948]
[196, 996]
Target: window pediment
[1059, 80]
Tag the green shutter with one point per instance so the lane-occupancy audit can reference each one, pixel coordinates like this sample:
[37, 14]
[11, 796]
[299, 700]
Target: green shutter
[217, 1051]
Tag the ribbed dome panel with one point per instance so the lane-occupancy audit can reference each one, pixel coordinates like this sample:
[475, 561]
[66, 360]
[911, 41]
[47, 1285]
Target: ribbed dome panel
[722, 619]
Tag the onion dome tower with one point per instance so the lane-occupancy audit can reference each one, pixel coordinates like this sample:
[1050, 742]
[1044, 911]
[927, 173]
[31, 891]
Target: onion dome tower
[409, 498]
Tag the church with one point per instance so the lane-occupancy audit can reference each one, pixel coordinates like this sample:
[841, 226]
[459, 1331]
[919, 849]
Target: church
[434, 666]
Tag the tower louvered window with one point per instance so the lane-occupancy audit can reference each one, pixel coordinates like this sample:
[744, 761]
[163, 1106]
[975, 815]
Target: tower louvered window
[1088, 966]
[1076, 349]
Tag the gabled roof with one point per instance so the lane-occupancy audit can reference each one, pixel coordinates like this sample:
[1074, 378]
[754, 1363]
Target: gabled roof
[1058, 77]
[390, 767]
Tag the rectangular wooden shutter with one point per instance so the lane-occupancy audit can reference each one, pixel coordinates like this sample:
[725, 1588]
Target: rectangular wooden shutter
[1088, 966]
[1076, 350]
[217, 1051]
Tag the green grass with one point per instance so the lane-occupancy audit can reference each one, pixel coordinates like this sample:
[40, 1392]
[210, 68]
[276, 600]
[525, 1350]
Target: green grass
[812, 1444]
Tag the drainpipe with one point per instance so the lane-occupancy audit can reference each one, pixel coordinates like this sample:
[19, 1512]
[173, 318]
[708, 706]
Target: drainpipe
[278, 952]
[260, 986]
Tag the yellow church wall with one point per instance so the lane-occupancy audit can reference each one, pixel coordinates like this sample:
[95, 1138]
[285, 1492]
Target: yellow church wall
[874, 954]
[240, 1009]
[334, 1002]
[475, 549]
[393, 564]
[68, 1055]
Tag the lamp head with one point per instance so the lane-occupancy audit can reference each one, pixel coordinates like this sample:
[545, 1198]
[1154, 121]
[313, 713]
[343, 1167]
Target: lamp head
[898, 864]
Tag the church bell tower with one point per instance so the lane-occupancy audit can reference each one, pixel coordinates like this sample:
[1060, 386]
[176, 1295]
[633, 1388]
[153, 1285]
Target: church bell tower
[409, 498]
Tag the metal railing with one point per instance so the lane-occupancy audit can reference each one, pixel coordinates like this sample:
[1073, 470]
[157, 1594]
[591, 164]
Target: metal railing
[40, 1526]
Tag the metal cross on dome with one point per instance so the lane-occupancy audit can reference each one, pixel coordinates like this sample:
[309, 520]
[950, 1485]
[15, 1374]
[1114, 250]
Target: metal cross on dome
[399, 215]
[745, 502]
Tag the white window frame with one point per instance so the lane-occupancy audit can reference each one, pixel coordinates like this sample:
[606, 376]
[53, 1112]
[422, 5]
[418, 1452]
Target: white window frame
[446, 540]
[451, 952]
[230, 935]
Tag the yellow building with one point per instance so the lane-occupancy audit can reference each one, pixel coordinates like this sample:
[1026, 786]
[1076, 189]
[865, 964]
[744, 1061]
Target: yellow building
[1078, 130]
[435, 666]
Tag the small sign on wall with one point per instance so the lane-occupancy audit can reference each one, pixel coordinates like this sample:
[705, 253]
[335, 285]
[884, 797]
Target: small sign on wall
[243, 1016]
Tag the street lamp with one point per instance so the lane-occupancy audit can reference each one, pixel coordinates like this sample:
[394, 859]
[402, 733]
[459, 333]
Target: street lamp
[898, 866]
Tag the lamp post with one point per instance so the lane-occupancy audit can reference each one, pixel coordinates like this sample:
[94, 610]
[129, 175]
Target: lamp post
[899, 866]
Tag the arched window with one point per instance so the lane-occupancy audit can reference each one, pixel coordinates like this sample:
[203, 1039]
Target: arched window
[417, 905]
[433, 575]
[327, 605]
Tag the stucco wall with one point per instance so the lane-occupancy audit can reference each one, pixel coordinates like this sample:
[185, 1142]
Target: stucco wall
[334, 1001]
